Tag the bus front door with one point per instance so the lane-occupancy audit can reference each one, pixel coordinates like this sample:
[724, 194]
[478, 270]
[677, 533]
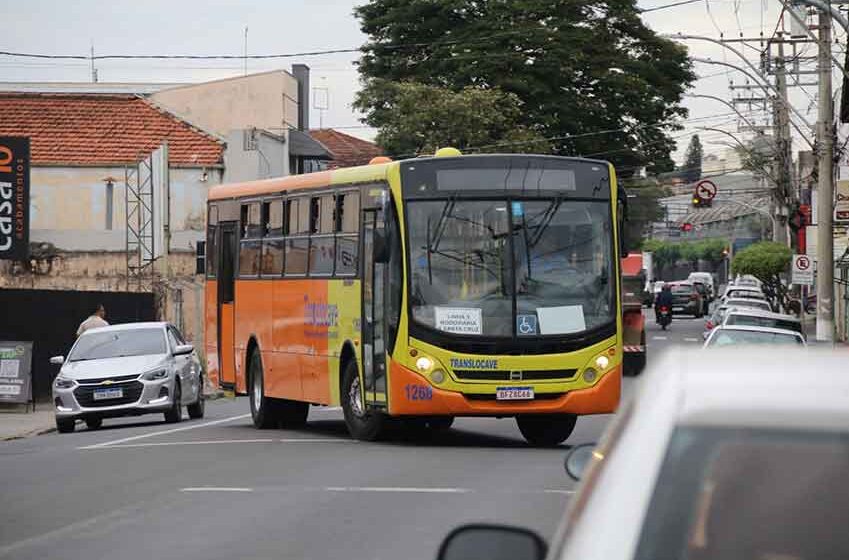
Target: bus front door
[373, 323]
[226, 307]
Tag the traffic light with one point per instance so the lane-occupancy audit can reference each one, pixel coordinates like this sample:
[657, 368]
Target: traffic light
[699, 202]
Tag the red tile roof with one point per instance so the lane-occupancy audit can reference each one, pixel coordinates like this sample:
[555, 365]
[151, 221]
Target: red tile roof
[347, 150]
[102, 130]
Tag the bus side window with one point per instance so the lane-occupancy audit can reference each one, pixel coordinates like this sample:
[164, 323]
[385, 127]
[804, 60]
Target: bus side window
[211, 245]
[250, 247]
[273, 246]
[347, 229]
[297, 242]
[322, 242]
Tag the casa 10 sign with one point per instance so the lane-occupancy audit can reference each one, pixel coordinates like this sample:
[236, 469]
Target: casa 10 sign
[14, 197]
[841, 202]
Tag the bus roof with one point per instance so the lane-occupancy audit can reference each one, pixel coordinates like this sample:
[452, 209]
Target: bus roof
[362, 173]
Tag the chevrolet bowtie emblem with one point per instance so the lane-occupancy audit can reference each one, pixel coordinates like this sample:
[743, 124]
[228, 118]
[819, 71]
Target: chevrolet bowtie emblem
[108, 382]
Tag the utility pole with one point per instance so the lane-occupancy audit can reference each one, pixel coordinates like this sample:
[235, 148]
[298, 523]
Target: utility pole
[784, 154]
[825, 185]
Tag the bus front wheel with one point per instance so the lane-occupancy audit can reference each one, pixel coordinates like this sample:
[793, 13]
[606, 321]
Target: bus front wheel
[363, 424]
[546, 430]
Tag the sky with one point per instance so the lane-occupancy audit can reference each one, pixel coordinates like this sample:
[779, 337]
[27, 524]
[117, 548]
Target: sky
[291, 26]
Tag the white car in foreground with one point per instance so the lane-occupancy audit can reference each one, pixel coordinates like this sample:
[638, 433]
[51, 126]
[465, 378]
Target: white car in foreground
[736, 335]
[736, 454]
[127, 370]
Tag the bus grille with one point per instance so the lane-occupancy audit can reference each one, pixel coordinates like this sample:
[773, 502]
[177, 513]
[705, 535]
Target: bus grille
[507, 375]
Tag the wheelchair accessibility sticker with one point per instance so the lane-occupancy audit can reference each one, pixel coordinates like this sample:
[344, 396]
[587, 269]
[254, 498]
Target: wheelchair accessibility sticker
[526, 324]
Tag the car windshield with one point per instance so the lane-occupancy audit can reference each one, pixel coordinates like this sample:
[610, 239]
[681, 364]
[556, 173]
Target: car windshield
[730, 337]
[470, 259]
[118, 343]
[727, 494]
[758, 321]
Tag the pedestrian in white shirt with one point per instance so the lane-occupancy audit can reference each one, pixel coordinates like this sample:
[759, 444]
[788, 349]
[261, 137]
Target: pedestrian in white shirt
[96, 319]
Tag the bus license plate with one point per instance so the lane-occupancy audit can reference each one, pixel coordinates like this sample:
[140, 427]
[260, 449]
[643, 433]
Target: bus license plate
[514, 393]
[101, 394]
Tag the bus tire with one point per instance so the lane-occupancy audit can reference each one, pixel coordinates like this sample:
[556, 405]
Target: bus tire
[365, 425]
[264, 410]
[546, 430]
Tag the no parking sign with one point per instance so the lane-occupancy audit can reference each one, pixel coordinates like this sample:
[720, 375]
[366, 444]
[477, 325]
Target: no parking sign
[802, 270]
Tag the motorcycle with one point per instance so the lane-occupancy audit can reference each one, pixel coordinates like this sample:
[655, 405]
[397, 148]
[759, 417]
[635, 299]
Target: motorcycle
[664, 316]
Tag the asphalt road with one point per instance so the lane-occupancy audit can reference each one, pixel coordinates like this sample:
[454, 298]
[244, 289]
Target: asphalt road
[218, 488]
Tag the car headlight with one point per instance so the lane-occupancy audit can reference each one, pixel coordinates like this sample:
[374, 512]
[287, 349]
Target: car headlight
[64, 383]
[155, 375]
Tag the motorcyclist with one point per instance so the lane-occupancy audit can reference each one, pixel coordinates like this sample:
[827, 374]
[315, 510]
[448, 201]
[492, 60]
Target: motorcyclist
[664, 298]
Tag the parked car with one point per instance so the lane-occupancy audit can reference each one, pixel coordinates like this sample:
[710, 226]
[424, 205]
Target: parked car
[127, 370]
[759, 318]
[705, 278]
[743, 335]
[747, 292]
[686, 298]
[727, 454]
[718, 316]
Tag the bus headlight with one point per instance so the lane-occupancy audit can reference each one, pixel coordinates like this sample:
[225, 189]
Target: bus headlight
[590, 375]
[602, 362]
[438, 376]
[424, 364]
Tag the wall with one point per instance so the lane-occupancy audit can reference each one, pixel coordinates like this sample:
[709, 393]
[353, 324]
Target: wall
[268, 100]
[69, 207]
[269, 159]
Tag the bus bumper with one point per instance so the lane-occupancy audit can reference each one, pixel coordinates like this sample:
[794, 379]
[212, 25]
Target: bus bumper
[601, 398]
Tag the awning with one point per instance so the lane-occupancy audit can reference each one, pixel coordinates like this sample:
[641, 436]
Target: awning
[303, 145]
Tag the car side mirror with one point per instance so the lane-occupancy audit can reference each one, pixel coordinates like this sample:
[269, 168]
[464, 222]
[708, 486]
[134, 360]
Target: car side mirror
[381, 247]
[577, 460]
[57, 360]
[183, 349]
[492, 542]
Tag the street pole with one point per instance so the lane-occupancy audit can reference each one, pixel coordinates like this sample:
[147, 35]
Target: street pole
[825, 186]
[784, 154]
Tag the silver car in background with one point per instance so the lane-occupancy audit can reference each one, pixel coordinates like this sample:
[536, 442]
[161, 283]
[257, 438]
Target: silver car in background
[127, 370]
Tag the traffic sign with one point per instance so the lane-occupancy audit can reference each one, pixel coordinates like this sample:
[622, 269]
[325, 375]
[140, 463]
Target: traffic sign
[706, 190]
[802, 270]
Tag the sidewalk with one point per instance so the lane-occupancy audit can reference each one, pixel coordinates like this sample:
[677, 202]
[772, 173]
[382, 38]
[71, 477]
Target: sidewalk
[18, 422]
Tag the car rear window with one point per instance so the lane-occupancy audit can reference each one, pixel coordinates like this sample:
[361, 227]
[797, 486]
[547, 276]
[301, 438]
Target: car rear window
[730, 493]
[734, 337]
[746, 294]
[756, 321]
[752, 303]
[682, 289]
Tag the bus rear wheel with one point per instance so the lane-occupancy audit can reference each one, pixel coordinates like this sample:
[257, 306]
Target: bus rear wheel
[263, 409]
[363, 424]
[546, 430]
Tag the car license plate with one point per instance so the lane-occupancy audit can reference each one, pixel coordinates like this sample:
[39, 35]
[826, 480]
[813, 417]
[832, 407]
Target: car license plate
[677, 309]
[102, 394]
[514, 393]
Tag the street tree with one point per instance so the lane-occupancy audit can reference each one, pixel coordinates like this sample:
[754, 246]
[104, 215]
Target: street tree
[591, 75]
[692, 170]
[766, 261]
[415, 119]
[643, 208]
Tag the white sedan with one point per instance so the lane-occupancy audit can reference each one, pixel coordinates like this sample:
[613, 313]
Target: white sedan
[740, 453]
[127, 370]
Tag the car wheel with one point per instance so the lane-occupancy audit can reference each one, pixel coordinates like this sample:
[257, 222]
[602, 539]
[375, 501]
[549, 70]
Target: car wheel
[65, 425]
[196, 409]
[363, 424]
[94, 423]
[546, 430]
[175, 413]
[264, 410]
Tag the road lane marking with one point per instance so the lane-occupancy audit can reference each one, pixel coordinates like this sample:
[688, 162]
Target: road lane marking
[691, 339]
[216, 441]
[215, 489]
[398, 489]
[552, 491]
[659, 337]
[164, 432]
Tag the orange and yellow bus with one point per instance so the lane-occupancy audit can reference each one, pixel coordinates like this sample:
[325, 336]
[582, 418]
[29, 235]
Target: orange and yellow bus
[424, 289]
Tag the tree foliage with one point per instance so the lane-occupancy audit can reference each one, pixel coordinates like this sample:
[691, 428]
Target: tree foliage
[589, 74]
[692, 170]
[668, 253]
[766, 261]
[643, 209]
[411, 119]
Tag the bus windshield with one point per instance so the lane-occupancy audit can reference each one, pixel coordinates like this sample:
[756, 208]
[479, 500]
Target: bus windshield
[511, 268]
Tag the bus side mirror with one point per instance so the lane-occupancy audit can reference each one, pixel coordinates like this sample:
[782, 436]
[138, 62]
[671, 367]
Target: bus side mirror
[381, 247]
